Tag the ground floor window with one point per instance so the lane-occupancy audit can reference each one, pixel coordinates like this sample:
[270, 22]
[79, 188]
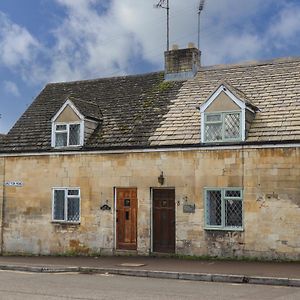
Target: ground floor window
[224, 208]
[66, 205]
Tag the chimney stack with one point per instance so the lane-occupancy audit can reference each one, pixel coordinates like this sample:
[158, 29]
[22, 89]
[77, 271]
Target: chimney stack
[182, 64]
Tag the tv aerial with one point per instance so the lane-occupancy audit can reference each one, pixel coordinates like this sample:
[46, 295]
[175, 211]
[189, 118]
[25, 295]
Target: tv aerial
[200, 9]
[165, 5]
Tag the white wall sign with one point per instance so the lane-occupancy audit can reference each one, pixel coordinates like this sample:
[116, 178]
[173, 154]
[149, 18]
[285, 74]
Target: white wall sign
[14, 183]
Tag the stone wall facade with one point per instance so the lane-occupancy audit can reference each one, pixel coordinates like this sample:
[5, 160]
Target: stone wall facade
[270, 179]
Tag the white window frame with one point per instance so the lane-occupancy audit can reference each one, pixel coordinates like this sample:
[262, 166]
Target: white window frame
[223, 210]
[66, 189]
[67, 124]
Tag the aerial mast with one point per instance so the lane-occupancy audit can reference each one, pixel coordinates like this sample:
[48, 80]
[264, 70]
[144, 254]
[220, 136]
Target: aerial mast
[165, 5]
[201, 7]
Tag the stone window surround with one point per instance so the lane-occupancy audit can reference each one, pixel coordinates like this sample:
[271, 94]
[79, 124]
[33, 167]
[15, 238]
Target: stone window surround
[67, 197]
[223, 226]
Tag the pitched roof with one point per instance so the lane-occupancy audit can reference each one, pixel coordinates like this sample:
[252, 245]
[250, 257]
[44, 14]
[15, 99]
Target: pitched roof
[2, 137]
[145, 111]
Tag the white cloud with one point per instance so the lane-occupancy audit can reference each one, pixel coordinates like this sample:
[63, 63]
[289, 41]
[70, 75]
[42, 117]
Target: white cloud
[11, 88]
[92, 42]
[285, 29]
[17, 45]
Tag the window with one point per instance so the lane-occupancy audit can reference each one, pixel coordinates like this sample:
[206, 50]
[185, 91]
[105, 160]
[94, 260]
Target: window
[224, 209]
[67, 135]
[66, 205]
[220, 127]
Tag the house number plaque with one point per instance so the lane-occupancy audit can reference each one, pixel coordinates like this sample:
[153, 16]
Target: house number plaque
[189, 208]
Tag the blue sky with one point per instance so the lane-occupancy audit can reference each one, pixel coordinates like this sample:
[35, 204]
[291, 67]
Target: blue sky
[61, 40]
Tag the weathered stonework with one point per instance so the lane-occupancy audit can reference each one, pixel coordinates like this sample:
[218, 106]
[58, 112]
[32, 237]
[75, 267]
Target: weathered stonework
[270, 179]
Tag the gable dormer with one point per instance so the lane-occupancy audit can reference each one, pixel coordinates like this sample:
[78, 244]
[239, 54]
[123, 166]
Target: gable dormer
[226, 115]
[74, 122]
[67, 127]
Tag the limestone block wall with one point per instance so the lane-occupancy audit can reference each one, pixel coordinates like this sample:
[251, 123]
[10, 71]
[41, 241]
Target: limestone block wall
[270, 179]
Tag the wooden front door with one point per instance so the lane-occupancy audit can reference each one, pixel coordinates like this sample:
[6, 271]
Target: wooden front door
[126, 218]
[164, 220]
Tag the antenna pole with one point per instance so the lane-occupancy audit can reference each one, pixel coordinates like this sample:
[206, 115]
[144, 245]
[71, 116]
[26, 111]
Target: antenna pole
[201, 6]
[168, 26]
[161, 4]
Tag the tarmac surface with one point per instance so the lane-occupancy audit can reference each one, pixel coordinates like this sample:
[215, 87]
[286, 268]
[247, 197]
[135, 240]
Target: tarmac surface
[272, 273]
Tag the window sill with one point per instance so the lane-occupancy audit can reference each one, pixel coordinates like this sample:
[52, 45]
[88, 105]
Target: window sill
[224, 228]
[65, 223]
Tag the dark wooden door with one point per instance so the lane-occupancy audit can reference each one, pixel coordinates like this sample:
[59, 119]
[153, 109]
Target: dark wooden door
[164, 220]
[126, 218]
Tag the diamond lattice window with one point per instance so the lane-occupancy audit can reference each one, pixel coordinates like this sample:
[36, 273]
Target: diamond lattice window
[66, 205]
[224, 126]
[67, 135]
[224, 209]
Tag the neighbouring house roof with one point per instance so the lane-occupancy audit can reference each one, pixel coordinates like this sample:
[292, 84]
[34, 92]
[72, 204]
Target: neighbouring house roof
[145, 111]
[2, 136]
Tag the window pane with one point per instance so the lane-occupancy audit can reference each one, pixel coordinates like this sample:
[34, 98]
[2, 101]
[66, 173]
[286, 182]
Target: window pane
[73, 192]
[59, 205]
[61, 139]
[73, 209]
[213, 132]
[214, 208]
[233, 193]
[232, 126]
[61, 127]
[74, 134]
[213, 118]
[233, 212]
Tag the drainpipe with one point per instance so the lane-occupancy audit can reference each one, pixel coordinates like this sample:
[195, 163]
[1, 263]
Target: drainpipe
[3, 209]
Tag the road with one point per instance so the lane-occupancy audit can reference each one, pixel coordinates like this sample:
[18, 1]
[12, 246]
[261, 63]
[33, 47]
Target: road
[35, 286]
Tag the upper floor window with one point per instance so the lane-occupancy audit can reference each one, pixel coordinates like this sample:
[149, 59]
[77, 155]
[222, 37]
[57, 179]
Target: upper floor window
[224, 209]
[226, 116]
[67, 135]
[222, 126]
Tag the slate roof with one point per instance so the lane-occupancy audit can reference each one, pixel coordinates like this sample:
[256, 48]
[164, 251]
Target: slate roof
[88, 109]
[144, 111]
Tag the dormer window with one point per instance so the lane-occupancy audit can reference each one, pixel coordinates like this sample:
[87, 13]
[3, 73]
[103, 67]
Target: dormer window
[67, 135]
[74, 123]
[223, 126]
[68, 127]
[226, 116]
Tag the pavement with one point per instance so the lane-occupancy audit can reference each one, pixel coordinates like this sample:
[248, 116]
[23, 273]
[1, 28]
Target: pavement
[269, 273]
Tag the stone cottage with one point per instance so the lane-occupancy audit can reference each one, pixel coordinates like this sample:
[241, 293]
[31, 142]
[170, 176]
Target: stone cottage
[193, 160]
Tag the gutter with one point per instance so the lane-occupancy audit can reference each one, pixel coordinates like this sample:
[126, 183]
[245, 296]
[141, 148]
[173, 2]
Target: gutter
[155, 148]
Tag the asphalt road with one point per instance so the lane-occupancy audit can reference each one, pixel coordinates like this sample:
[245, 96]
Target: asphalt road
[33, 286]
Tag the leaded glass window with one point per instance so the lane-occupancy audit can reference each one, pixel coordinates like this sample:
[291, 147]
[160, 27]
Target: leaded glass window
[223, 209]
[67, 135]
[220, 127]
[66, 205]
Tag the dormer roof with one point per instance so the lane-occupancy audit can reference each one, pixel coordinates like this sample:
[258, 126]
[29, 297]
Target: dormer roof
[233, 93]
[83, 109]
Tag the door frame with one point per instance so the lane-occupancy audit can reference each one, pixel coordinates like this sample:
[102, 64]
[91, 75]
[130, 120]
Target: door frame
[151, 213]
[115, 190]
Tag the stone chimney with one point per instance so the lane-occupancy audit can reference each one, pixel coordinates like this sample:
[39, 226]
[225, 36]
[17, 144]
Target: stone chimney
[182, 64]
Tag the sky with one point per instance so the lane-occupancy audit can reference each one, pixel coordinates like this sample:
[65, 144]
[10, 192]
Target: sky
[44, 41]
